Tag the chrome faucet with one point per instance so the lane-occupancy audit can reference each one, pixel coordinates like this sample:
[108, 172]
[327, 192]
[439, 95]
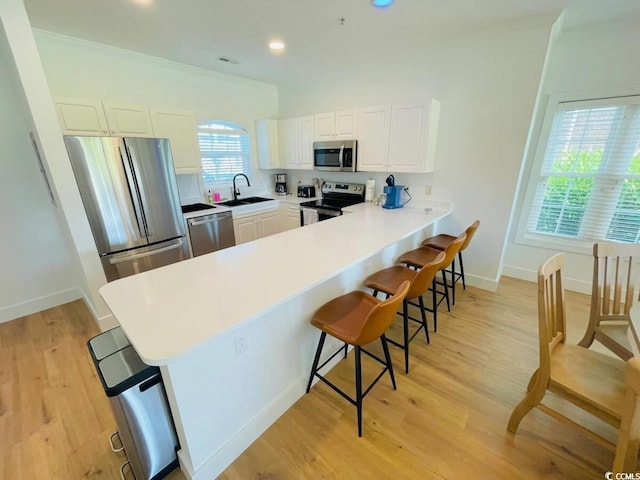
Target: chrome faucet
[236, 192]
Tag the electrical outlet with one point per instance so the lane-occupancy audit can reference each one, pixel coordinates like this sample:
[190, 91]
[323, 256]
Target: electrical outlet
[242, 344]
[427, 190]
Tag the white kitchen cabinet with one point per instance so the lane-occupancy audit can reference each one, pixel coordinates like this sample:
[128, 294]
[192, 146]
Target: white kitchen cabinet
[413, 137]
[342, 125]
[267, 140]
[373, 138]
[296, 139]
[128, 120]
[253, 227]
[398, 138]
[179, 126]
[85, 116]
[81, 116]
[288, 216]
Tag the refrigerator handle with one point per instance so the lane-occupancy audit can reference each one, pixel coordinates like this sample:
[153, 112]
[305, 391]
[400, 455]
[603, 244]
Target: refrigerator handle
[135, 196]
[127, 258]
[131, 154]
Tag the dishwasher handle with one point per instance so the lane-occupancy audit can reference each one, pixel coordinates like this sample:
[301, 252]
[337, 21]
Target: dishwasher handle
[216, 217]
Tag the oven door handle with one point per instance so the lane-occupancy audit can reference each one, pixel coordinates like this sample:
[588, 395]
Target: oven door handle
[321, 211]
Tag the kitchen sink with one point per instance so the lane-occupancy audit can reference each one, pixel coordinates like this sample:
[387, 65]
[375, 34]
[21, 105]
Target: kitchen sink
[254, 199]
[245, 201]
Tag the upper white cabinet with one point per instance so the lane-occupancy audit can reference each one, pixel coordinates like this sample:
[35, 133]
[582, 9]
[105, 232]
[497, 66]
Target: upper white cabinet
[342, 125]
[296, 141]
[398, 138]
[373, 138]
[267, 140]
[413, 137]
[127, 120]
[179, 126]
[81, 116]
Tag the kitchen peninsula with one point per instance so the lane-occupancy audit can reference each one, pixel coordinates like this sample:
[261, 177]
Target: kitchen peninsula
[230, 330]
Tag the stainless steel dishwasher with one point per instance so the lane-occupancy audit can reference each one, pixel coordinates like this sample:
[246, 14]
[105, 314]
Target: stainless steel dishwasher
[211, 232]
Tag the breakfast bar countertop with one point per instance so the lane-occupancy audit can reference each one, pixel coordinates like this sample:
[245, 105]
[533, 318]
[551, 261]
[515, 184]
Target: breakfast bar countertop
[168, 311]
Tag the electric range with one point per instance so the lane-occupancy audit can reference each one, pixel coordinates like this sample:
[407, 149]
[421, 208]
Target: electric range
[335, 197]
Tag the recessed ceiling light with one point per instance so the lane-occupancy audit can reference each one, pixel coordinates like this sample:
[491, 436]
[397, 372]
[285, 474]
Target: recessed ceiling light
[381, 3]
[276, 46]
[143, 3]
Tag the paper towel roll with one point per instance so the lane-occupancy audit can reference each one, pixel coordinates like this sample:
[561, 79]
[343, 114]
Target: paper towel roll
[370, 192]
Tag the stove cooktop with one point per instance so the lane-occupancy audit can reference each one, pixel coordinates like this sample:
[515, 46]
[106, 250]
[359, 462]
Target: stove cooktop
[196, 207]
[330, 204]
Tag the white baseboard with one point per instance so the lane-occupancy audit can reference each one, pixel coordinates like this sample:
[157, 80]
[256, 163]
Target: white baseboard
[38, 304]
[480, 282]
[571, 284]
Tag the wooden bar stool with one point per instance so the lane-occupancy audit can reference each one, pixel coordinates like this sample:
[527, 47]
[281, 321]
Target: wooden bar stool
[357, 319]
[422, 256]
[389, 280]
[442, 241]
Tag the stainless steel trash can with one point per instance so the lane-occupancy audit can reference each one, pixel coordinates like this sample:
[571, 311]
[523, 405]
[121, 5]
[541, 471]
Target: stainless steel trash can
[139, 404]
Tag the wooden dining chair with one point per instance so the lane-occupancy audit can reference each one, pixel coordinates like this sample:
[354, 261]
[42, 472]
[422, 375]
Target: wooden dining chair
[614, 290]
[626, 458]
[590, 380]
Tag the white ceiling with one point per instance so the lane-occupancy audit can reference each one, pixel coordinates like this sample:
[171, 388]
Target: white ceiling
[196, 32]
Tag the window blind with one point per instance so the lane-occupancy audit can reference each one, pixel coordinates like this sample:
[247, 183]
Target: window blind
[589, 182]
[224, 147]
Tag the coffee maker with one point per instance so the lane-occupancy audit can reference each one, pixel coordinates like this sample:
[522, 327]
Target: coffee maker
[281, 183]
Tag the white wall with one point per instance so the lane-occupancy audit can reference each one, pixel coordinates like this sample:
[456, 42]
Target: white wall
[592, 62]
[487, 83]
[38, 270]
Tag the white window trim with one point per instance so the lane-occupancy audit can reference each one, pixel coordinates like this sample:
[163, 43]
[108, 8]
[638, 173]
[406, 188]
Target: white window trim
[555, 242]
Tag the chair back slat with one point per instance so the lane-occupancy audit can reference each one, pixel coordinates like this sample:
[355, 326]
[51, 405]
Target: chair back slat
[615, 279]
[551, 309]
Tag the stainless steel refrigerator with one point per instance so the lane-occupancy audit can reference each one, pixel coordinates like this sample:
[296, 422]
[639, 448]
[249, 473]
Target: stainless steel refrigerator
[129, 191]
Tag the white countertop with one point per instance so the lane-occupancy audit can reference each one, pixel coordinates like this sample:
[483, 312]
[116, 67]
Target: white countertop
[167, 311]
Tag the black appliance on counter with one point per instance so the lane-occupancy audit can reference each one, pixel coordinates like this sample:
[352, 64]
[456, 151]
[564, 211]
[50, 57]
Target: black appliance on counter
[306, 191]
[335, 197]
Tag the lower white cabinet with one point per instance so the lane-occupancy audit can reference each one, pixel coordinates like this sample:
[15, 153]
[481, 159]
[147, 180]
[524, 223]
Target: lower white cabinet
[252, 227]
[288, 216]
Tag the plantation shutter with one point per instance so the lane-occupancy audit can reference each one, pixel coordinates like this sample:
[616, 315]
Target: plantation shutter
[589, 183]
[224, 147]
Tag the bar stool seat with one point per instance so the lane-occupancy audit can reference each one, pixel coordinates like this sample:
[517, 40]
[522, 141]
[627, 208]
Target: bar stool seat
[389, 281]
[443, 240]
[422, 256]
[357, 319]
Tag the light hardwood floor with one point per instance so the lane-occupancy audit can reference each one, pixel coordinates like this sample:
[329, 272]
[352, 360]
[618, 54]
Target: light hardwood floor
[447, 420]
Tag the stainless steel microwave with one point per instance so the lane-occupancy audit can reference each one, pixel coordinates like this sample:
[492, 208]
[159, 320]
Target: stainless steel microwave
[337, 156]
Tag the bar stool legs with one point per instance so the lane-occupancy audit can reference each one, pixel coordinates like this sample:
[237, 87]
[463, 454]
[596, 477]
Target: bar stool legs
[357, 402]
[357, 319]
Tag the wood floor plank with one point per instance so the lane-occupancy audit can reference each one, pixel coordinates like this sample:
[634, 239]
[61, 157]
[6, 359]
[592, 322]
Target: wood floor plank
[447, 420]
